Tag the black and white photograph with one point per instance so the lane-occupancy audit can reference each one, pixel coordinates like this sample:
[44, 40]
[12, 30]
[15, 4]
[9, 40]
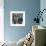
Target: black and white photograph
[17, 18]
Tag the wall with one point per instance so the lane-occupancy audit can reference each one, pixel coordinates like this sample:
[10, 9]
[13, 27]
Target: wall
[1, 21]
[30, 7]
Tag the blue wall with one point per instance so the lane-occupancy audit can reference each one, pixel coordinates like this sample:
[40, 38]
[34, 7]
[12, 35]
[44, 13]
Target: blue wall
[30, 7]
[43, 6]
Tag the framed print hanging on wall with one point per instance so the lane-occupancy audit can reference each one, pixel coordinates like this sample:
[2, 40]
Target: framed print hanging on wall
[17, 18]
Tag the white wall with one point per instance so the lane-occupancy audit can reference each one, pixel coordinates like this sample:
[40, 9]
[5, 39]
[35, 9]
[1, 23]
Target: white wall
[1, 21]
[1, 25]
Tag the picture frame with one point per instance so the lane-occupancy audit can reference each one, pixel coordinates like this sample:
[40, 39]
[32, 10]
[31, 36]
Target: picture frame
[17, 18]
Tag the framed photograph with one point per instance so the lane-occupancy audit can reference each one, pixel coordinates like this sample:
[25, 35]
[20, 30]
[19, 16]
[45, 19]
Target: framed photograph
[17, 18]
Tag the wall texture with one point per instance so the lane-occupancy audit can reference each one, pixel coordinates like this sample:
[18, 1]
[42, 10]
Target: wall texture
[43, 6]
[30, 7]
